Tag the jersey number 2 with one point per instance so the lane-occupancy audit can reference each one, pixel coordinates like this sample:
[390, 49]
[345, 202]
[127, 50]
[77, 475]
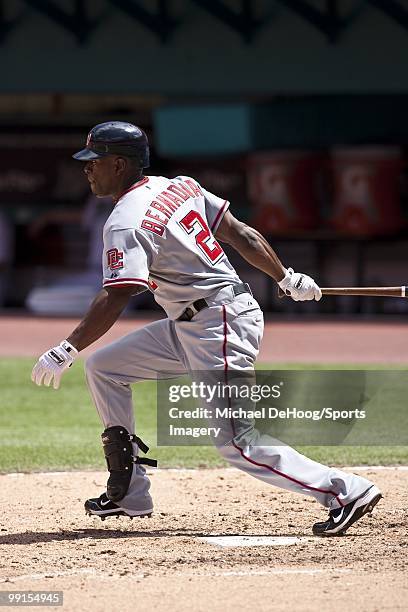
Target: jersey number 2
[208, 245]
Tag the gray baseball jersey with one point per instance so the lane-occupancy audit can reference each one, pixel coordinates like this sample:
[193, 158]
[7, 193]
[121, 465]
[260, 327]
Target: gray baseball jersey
[161, 235]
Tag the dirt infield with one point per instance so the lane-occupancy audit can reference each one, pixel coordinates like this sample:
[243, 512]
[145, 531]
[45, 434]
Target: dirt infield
[343, 342]
[162, 564]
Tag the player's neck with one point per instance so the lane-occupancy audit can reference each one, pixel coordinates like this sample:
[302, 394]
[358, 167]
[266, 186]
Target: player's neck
[126, 184]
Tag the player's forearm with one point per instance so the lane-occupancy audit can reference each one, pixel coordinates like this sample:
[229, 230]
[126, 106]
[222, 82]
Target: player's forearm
[257, 251]
[102, 314]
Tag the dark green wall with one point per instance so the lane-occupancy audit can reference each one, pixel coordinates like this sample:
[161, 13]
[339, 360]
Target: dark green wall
[203, 56]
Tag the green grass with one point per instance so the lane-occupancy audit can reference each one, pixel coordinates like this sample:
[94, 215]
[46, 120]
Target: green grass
[43, 429]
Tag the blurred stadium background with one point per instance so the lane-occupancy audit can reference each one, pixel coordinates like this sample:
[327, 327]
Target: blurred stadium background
[295, 110]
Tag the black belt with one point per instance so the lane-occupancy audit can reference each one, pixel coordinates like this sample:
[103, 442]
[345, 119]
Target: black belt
[200, 304]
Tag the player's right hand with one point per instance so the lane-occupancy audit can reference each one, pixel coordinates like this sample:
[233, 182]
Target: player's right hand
[53, 363]
[299, 286]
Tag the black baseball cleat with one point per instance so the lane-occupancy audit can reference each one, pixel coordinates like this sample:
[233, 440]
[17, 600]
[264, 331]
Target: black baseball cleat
[342, 518]
[104, 507]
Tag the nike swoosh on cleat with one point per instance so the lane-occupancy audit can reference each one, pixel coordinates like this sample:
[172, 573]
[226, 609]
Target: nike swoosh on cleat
[337, 519]
[105, 503]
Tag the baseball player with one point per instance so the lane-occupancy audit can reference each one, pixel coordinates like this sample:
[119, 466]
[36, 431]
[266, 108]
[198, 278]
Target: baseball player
[164, 235]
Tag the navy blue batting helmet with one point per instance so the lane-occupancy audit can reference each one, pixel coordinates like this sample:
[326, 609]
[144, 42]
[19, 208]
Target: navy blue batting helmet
[116, 138]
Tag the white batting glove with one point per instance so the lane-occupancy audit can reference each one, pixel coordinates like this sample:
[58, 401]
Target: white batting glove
[53, 363]
[300, 287]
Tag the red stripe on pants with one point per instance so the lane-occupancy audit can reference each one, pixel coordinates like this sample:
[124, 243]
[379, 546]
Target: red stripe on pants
[239, 449]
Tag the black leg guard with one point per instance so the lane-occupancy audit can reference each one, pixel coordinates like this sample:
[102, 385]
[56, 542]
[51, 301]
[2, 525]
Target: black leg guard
[118, 449]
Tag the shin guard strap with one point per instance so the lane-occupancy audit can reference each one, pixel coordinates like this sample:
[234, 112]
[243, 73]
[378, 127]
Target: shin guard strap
[146, 461]
[143, 447]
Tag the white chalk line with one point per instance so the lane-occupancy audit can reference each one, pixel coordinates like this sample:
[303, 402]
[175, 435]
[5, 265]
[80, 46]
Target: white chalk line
[63, 573]
[401, 468]
[357, 468]
[280, 571]
[47, 575]
[233, 573]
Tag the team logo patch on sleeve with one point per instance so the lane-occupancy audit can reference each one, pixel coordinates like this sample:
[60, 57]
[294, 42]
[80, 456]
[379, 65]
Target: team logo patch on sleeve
[115, 259]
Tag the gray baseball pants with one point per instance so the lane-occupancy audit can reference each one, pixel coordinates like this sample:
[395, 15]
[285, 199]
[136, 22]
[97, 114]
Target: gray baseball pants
[225, 336]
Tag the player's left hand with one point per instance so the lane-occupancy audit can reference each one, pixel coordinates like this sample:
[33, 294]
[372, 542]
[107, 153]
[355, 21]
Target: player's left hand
[53, 363]
[299, 286]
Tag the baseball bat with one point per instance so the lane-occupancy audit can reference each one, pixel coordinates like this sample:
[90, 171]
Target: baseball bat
[400, 292]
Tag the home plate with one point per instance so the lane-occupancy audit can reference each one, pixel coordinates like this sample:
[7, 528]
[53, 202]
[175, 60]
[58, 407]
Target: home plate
[247, 541]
